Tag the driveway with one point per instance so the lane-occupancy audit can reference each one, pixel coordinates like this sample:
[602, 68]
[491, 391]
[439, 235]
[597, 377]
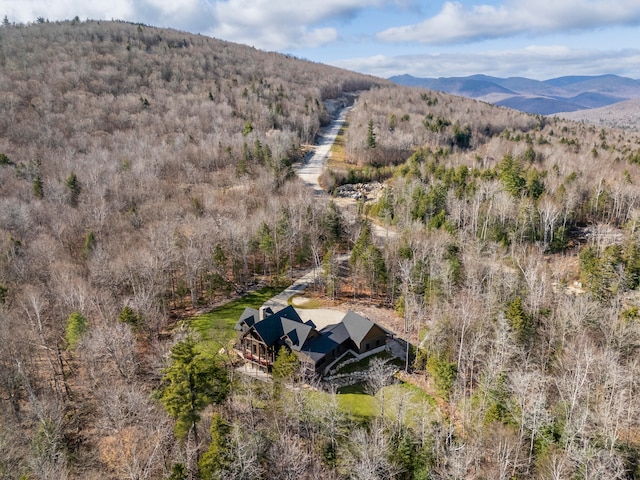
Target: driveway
[321, 317]
[314, 165]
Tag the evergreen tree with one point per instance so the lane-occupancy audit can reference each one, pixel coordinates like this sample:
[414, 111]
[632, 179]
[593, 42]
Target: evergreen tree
[333, 223]
[76, 328]
[519, 320]
[371, 136]
[73, 184]
[38, 188]
[89, 243]
[367, 260]
[215, 460]
[285, 365]
[128, 316]
[511, 176]
[190, 383]
[330, 273]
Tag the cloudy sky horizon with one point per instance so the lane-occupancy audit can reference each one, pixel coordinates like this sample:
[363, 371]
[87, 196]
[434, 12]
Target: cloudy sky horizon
[538, 39]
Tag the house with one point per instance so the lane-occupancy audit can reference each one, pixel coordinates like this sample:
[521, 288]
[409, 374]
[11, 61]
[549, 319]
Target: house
[261, 334]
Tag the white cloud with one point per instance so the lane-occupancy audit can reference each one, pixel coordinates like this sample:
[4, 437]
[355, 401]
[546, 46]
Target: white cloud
[183, 14]
[456, 23]
[533, 62]
[24, 11]
[282, 24]
[266, 24]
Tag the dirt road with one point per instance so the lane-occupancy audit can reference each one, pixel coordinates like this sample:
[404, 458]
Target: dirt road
[313, 167]
[309, 172]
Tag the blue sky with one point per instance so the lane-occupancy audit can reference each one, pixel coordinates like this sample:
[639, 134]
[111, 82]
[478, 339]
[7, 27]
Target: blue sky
[531, 38]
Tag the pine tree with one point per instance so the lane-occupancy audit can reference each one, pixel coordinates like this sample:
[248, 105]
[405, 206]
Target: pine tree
[76, 328]
[285, 365]
[519, 320]
[371, 136]
[217, 457]
[73, 184]
[130, 317]
[190, 383]
[38, 187]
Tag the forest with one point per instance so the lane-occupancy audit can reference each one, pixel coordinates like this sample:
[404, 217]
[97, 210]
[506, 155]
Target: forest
[147, 175]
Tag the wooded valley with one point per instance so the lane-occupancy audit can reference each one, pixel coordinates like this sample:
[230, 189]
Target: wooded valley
[147, 175]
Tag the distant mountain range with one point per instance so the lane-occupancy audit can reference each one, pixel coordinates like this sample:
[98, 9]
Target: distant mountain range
[563, 94]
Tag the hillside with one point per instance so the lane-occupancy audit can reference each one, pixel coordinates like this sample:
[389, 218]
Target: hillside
[143, 171]
[148, 195]
[563, 94]
[620, 115]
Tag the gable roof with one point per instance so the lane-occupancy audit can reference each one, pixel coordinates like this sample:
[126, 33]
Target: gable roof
[248, 318]
[329, 339]
[357, 326]
[271, 329]
[297, 333]
[287, 326]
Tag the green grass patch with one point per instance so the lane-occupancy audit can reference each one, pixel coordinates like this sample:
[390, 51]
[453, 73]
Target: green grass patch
[309, 303]
[402, 399]
[413, 404]
[216, 327]
[356, 388]
[352, 402]
[408, 401]
[359, 406]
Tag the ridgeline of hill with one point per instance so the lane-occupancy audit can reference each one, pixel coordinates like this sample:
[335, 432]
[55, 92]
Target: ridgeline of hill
[563, 94]
[619, 115]
[146, 174]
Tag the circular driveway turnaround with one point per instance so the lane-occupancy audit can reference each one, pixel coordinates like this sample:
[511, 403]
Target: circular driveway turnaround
[282, 299]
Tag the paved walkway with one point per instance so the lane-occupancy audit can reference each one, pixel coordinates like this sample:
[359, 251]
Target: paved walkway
[397, 348]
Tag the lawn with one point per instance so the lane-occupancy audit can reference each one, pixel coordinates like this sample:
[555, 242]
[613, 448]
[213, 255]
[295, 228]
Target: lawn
[400, 398]
[216, 327]
[308, 303]
[409, 402]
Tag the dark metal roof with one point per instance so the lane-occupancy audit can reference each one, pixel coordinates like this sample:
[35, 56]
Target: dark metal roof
[296, 332]
[248, 318]
[287, 326]
[271, 328]
[357, 326]
[330, 338]
[290, 313]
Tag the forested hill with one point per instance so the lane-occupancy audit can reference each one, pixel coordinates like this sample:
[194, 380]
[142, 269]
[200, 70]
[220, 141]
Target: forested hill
[142, 172]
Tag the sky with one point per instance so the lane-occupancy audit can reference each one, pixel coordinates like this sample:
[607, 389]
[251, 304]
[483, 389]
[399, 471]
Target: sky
[537, 39]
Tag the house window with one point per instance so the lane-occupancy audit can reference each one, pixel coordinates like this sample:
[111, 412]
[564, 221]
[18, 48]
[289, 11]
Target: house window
[366, 347]
[255, 349]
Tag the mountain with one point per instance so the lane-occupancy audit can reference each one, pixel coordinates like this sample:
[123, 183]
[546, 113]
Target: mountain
[562, 94]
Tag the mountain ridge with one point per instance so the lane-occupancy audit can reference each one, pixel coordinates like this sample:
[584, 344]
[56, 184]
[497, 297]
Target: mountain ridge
[544, 97]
